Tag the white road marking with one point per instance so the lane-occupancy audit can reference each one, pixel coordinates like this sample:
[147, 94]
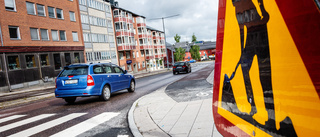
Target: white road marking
[11, 118]
[123, 136]
[23, 122]
[45, 126]
[86, 125]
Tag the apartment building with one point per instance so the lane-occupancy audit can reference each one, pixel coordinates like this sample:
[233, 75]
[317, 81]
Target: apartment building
[98, 31]
[38, 38]
[140, 48]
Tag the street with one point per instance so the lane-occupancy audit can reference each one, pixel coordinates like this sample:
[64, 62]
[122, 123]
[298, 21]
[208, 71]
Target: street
[92, 117]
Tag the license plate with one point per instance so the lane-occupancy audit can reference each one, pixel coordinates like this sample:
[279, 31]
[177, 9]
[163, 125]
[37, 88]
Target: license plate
[179, 67]
[73, 81]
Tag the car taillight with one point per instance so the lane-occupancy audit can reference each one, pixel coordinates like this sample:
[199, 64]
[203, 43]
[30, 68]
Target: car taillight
[90, 81]
[174, 67]
[56, 81]
[184, 66]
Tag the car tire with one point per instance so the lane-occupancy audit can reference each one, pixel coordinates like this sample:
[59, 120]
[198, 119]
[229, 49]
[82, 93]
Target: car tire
[106, 93]
[70, 100]
[132, 86]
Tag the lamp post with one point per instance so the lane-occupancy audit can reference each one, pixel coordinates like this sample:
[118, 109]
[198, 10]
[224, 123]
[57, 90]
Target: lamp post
[164, 31]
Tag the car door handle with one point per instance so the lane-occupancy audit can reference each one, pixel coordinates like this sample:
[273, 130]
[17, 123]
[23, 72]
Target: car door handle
[108, 76]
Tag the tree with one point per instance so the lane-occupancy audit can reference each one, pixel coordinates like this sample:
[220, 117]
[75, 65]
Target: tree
[177, 38]
[179, 54]
[194, 38]
[194, 51]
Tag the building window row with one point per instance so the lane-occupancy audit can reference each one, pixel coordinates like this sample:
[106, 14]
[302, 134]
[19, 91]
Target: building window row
[100, 55]
[94, 20]
[14, 62]
[118, 13]
[98, 38]
[43, 34]
[125, 40]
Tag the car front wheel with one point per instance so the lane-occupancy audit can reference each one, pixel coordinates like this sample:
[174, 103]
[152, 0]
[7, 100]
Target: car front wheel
[132, 86]
[106, 93]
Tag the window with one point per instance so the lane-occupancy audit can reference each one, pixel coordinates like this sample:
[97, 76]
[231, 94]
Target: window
[107, 69]
[133, 54]
[51, 12]
[75, 36]
[63, 36]
[142, 53]
[76, 58]
[129, 67]
[143, 64]
[30, 8]
[111, 39]
[67, 58]
[128, 55]
[41, 10]
[55, 36]
[137, 54]
[117, 69]
[97, 69]
[59, 13]
[139, 65]
[57, 61]
[44, 34]
[13, 62]
[10, 5]
[72, 16]
[82, 2]
[34, 32]
[84, 19]
[86, 37]
[14, 32]
[30, 61]
[121, 55]
[44, 60]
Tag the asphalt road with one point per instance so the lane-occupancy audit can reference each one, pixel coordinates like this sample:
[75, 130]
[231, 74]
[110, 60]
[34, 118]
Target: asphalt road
[87, 117]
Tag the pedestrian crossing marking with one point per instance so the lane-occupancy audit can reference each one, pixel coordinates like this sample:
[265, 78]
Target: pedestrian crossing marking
[86, 125]
[45, 126]
[11, 118]
[23, 122]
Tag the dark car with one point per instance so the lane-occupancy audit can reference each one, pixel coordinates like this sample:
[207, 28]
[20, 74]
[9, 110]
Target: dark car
[100, 79]
[179, 67]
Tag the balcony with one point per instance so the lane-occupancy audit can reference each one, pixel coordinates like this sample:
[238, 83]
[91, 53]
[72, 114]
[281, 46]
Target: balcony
[145, 47]
[143, 36]
[126, 47]
[116, 19]
[141, 25]
[148, 57]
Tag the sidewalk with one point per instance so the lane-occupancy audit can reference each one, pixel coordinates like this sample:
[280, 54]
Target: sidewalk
[27, 95]
[159, 115]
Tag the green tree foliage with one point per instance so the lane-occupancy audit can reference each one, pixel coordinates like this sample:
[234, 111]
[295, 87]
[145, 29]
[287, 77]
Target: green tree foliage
[194, 38]
[179, 54]
[194, 51]
[177, 38]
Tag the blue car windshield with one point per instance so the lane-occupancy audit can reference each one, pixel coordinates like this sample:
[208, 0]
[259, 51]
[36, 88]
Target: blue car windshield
[74, 71]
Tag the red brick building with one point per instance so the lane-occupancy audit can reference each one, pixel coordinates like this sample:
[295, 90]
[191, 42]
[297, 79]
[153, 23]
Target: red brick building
[140, 48]
[38, 38]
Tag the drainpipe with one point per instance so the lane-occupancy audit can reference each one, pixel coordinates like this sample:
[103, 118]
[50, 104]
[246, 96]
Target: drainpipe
[6, 70]
[5, 62]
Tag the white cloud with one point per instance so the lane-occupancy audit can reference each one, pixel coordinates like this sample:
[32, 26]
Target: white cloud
[198, 17]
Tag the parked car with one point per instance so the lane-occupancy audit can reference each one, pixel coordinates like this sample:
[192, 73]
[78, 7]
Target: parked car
[192, 61]
[179, 67]
[100, 79]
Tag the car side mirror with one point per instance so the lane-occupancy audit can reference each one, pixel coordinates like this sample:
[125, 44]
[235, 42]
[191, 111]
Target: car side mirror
[125, 72]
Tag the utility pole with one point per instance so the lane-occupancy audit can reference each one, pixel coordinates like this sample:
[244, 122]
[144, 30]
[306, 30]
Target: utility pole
[164, 30]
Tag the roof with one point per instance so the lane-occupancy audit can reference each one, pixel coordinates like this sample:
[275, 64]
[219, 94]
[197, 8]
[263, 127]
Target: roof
[203, 46]
[133, 14]
[150, 28]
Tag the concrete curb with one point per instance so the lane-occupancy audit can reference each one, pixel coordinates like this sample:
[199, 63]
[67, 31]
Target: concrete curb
[24, 100]
[132, 125]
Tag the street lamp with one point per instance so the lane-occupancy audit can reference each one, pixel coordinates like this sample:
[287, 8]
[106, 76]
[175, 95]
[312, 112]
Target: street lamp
[164, 30]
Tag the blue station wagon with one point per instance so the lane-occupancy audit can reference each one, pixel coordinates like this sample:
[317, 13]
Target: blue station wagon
[100, 79]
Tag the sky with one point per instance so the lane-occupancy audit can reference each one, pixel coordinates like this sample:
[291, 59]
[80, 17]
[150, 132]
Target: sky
[195, 17]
